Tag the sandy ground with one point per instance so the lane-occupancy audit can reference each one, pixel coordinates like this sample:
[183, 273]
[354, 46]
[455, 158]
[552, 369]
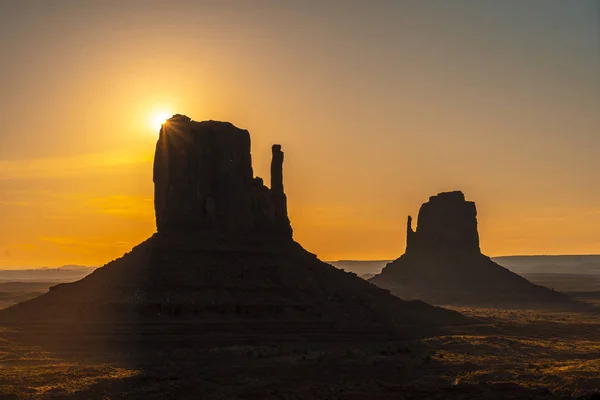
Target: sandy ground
[511, 354]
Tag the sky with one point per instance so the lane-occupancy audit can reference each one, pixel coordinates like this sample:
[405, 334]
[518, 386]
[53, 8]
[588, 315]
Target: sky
[377, 104]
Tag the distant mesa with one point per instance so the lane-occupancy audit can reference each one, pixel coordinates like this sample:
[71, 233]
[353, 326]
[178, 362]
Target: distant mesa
[224, 251]
[67, 273]
[443, 263]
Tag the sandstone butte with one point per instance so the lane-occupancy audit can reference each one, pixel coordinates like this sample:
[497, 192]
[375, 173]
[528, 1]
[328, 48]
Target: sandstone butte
[224, 253]
[443, 263]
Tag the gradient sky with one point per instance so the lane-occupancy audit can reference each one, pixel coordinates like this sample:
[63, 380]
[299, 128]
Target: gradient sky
[378, 105]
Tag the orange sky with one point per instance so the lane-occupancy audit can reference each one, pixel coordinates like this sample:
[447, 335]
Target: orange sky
[378, 105]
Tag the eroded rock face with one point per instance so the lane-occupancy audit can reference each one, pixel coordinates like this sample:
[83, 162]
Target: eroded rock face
[204, 181]
[447, 223]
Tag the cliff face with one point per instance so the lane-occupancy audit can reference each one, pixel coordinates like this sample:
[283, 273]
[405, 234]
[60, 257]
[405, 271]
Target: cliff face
[204, 182]
[447, 223]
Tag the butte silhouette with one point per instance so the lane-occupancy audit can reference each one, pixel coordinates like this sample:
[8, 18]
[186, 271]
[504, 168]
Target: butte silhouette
[443, 263]
[224, 251]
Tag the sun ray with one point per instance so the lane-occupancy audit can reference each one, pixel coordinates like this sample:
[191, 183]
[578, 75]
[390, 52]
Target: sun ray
[158, 118]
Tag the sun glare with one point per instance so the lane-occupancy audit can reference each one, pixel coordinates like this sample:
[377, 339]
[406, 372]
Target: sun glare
[158, 118]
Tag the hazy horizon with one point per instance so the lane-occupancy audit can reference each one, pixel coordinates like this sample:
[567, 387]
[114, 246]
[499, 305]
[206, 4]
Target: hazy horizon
[42, 267]
[378, 106]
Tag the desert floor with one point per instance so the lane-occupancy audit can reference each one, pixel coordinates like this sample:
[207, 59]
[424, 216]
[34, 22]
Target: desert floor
[511, 354]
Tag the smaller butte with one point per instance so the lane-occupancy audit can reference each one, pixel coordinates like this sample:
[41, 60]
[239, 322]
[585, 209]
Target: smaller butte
[443, 264]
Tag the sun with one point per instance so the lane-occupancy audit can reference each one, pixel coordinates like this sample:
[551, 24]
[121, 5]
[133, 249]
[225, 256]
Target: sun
[158, 118]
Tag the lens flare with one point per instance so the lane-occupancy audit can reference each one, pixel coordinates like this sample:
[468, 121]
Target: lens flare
[158, 118]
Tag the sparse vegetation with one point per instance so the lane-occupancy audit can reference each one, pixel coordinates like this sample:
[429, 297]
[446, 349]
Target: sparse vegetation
[28, 372]
[512, 354]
